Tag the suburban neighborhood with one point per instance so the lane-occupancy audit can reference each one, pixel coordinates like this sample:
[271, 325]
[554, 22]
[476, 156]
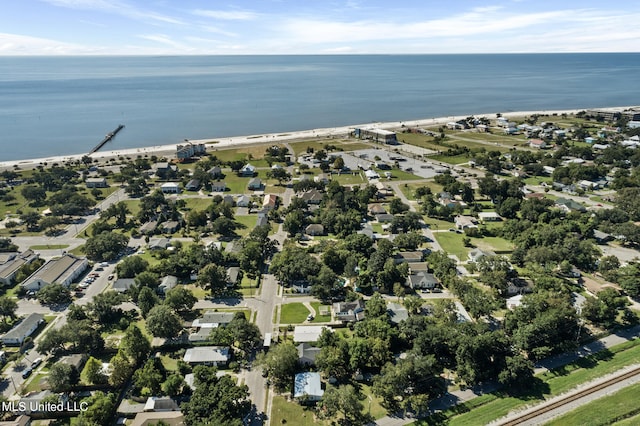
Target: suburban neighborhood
[414, 275]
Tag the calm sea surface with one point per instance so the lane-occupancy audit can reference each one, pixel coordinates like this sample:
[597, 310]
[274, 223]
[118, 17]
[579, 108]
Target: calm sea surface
[55, 106]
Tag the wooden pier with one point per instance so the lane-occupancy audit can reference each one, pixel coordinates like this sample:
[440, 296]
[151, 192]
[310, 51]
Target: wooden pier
[107, 138]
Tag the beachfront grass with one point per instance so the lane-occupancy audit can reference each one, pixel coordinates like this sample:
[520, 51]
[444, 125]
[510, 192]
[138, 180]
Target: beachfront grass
[606, 410]
[489, 407]
[293, 313]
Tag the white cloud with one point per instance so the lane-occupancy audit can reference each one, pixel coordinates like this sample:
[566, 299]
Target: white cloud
[16, 44]
[227, 15]
[117, 7]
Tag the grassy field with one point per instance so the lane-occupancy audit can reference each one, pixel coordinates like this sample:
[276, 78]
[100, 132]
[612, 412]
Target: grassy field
[489, 407]
[293, 313]
[455, 159]
[408, 189]
[495, 244]
[289, 412]
[603, 411]
[321, 318]
[451, 242]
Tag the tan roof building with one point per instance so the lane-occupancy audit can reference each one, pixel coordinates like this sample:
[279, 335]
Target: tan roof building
[63, 270]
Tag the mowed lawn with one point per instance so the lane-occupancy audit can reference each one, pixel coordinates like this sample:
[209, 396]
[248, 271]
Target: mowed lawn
[292, 413]
[293, 313]
[451, 242]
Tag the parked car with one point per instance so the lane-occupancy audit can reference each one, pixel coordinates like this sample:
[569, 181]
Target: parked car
[27, 372]
[36, 362]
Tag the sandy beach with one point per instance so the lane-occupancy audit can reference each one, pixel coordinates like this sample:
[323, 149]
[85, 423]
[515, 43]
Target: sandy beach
[230, 142]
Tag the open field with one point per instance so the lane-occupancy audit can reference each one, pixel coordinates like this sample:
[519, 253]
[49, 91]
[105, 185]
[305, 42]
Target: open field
[408, 189]
[451, 242]
[289, 412]
[293, 313]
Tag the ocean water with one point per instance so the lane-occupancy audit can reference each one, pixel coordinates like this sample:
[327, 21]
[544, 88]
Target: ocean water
[65, 105]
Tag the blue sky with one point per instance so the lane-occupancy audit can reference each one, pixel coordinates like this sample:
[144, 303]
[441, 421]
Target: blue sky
[191, 27]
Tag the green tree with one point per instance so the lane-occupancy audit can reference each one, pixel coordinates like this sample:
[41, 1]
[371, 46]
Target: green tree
[135, 345]
[34, 193]
[180, 299]
[120, 369]
[343, 400]
[281, 363]
[131, 266]
[54, 294]
[100, 410]
[103, 307]
[8, 308]
[149, 378]
[216, 400]
[105, 246]
[62, 377]
[214, 278]
[173, 385]
[93, 371]
[162, 321]
[147, 299]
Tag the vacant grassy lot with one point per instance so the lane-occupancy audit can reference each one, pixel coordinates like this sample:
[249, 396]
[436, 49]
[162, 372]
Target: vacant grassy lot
[289, 412]
[495, 244]
[451, 242]
[320, 307]
[293, 313]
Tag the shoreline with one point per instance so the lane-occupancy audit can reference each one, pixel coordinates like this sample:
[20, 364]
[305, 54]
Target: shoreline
[213, 144]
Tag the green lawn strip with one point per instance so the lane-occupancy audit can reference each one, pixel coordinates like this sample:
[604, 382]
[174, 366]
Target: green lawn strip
[318, 306]
[493, 406]
[249, 223]
[36, 382]
[301, 147]
[49, 247]
[398, 175]
[348, 179]
[133, 206]
[631, 421]
[197, 204]
[495, 244]
[438, 224]
[372, 404]
[454, 159]
[603, 411]
[289, 412]
[451, 242]
[293, 313]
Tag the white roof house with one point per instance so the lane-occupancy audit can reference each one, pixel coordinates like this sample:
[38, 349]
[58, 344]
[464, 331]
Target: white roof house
[307, 333]
[207, 355]
[62, 270]
[371, 174]
[170, 188]
[308, 385]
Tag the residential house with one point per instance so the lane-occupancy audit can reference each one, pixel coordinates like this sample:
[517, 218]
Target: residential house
[96, 183]
[602, 237]
[76, 361]
[465, 222]
[349, 311]
[193, 185]
[397, 312]
[189, 150]
[228, 199]
[255, 184]
[63, 270]
[418, 267]
[170, 226]
[371, 174]
[24, 329]
[170, 188]
[208, 321]
[384, 218]
[314, 229]
[262, 219]
[233, 276]
[167, 283]
[313, 196]
[159, 243]
[247, 170]
[307, 354]
[519, 286]
[243, 201]
[322, 178]
[475, 254]
[21, 420]
[270, 201]
[215, 172]
[489, 217]
[537, 143]
[514, 301]
[308, 333]
[122, 285]
[169, 418]
[162, 169]
[149, 227]
[218, 186]
[207, 355]
[568, 204]
[422, 280]
[408, 257]
[308, 386]
[11, 263]
[376, 209]
[160, 404]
